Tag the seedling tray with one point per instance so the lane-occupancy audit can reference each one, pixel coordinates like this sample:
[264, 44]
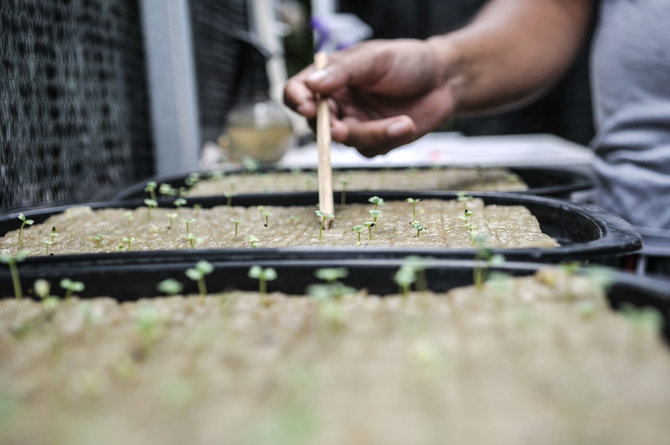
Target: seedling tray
[585, 232]
[116, 278]
[555, 182]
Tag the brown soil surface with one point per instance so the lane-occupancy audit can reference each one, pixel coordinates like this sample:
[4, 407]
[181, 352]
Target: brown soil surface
[485, 179]
[534, 360]
[505, 226]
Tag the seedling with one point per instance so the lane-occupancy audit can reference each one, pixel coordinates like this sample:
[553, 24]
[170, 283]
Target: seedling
[192, 179]
[167, 190]
[343, 194]
[197, 208]
[193, 240]
[150, 203]
[24, 222]
[71, 287]
[413, 202]
[237, 223]
[266, 214]
[333, 288]
[294, 219]
[464, 198]
[324, 217]
[250, 164]
[170, 287]
[129, 217]
[229, 198]
[198, 273]
[47, 243]
[411, 272]
[151, 188]
[53, 234]
[419, 228]
[188, 222]
[404, 278]
[263, 276]
[377, 201]
[171, 217]
[98, 239]
[178, 203]
[370, 225]
[484, 259]
[253, 241]
[11, 261]
[357, 229]
[375, 214]
[128, 240]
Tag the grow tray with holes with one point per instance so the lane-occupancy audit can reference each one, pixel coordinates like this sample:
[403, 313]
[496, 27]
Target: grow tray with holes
[556, 182]
[584, 232]
[116, 278]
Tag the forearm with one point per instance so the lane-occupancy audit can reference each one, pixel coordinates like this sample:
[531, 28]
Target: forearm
[513, 50]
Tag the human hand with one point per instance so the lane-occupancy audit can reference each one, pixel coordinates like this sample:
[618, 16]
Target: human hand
[382, 94]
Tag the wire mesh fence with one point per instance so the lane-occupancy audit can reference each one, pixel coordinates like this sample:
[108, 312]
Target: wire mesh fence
[74, 119]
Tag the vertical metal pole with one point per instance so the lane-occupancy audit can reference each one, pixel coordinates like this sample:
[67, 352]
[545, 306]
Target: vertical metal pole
[172, 88]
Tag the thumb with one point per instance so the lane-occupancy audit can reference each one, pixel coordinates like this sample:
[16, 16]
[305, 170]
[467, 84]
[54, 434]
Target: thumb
[348, 68]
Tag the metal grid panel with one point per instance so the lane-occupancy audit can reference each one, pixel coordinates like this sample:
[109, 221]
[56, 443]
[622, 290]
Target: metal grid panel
[217, 59]
[74, 120]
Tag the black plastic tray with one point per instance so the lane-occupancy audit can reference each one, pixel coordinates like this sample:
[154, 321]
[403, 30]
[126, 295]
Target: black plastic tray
[556, 182]
[585, 232]
[125, 282]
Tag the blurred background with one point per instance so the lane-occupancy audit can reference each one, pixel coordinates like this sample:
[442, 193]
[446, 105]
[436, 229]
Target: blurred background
[98, 94]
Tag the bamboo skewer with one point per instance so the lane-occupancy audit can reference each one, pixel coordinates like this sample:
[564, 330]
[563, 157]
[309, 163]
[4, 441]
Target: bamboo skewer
[323, 142]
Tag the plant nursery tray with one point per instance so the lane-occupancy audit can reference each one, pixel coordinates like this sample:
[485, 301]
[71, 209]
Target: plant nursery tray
[541, 181]
[584, 232]
[116, 278]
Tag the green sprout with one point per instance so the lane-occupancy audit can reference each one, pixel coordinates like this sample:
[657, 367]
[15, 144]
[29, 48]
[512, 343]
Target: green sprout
[53, 234]
[357, 229]
[229, 198]
[193, 240]
[263, 276]
[253, 241]
[98, 239]
[377, 201]
[413, 202]
[294, 219]
[343, 194]
[179, 203]
[24, 222]
[150, 203]
[188, 224]
[484, 259]
[167, 190]
[375, 214]
[11, 261]
[198, 273]
[71, 287]
[197, 208]
[463, 197]
[237, 223]
[412, 271]
[333, 288]
[266, 214]
[47, 243]
[419, 228]
[404, 278]
[128, 240]
[171, 217]
[323, 217]
[249, 164]
[151, 188]
[170, 287]
[370, 225]
[129, 217]
[192, 179]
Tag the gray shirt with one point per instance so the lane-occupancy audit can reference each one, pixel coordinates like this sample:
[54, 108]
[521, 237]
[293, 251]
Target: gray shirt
[630, 66]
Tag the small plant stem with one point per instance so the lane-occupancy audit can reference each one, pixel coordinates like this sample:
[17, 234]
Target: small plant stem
[262, 286]
[237, 223]
[192, 241]
[14, 272]
[359, 237]
[202, 288]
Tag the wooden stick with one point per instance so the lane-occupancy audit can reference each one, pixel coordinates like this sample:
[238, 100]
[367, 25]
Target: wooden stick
[323, 142]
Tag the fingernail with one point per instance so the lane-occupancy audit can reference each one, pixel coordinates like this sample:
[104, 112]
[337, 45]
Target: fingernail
[317, 76]
[396, 129]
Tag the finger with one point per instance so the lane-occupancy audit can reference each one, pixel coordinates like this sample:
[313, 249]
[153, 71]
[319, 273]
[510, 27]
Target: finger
[378, 136]
[298, 96]
[347, 68]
